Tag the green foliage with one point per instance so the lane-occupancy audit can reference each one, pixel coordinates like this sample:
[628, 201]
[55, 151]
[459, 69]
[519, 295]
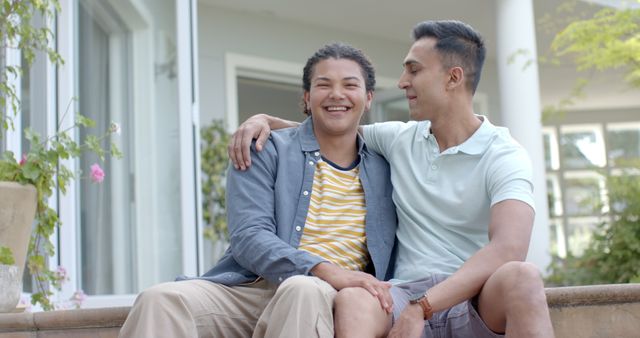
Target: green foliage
[6, 257]
[608, 40]
[594, 39]
[17, 31]
[214, 162]
[42, 166]
[614, 251]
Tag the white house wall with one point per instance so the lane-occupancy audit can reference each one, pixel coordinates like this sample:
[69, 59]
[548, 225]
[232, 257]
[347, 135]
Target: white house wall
[259, 34]
[224, 31]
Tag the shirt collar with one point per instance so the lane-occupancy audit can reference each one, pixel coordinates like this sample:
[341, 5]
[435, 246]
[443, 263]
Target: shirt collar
[479, 140]
[308, 141]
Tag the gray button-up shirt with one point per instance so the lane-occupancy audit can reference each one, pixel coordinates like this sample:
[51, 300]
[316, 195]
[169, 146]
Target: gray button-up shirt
[267, 207]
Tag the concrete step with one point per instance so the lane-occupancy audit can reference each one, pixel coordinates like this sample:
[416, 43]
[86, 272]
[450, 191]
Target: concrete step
[611, 311]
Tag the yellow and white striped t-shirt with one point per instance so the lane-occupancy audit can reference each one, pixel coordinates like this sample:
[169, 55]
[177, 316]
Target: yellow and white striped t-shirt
[335, 227]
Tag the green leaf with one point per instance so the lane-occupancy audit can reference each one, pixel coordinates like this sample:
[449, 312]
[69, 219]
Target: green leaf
[6, 257]
[85, 121]
[115, 152]
[31, 170]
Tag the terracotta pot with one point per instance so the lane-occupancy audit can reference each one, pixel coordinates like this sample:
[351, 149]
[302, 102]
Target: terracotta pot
[17, 212]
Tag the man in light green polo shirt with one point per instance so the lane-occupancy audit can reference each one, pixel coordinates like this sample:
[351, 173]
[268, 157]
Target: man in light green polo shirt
[464, 198]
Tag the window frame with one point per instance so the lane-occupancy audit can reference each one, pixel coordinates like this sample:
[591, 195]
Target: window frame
[61, 88]
[575, 121]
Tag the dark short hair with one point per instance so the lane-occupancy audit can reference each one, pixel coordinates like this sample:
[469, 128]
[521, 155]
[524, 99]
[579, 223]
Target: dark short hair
[459, 45]
[339, 50]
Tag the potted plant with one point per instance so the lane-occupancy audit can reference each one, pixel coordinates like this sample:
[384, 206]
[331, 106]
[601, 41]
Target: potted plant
[29, 179]
[214, 161]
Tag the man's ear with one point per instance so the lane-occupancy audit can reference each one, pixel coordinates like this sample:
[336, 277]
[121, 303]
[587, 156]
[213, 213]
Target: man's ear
[367, 105]
[307, 104]
[456, 78]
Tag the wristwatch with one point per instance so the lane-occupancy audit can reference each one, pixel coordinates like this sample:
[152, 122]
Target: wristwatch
[422, 300]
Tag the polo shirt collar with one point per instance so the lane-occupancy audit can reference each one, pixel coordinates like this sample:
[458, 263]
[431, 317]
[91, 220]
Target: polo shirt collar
[479, 140]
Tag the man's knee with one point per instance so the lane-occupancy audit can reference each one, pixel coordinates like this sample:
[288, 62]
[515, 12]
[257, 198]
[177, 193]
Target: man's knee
[306, 287]
[520, 274]
[359, 314]
[355, 298]
[158, 297]
[520, 281]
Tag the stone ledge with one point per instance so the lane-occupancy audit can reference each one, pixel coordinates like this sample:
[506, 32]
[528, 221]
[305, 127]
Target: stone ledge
[64, 319]
[593, 295]
[576, 312]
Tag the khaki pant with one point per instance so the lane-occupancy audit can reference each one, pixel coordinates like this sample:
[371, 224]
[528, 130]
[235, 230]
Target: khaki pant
[301, 306]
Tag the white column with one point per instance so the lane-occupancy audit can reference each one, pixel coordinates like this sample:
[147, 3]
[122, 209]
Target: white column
[520, 106]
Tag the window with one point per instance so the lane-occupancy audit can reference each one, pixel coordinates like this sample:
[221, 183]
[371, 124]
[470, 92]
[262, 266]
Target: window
[390, 104]
[578, 157]
[582, 146]
[139, 227]
[624, 143]
[281, 98]
[130, 226]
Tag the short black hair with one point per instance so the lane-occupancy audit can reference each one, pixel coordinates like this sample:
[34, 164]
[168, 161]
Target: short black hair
[339, 50]
[459, 45]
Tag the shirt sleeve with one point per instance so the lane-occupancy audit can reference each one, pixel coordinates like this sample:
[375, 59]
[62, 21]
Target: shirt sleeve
[253, 238]
[512, 178]
[379, 137]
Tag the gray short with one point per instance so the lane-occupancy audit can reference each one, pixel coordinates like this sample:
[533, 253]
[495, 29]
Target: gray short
[461, 320]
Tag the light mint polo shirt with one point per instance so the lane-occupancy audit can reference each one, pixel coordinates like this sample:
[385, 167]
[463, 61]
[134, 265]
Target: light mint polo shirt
[443, 199]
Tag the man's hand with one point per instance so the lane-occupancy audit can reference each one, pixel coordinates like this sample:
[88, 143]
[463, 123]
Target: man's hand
[340, 278]
[410, 324]
[239, 149]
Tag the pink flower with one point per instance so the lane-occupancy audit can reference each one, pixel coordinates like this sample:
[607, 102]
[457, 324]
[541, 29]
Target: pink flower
[97, 174]
[23, 160]
[78, 298]
[61, 274]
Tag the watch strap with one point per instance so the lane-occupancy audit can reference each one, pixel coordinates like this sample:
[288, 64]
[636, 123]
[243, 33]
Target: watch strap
[427, 310]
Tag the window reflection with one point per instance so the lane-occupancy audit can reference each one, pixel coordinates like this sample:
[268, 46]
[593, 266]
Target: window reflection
[582, 146]
[554, 195]
[580, 232]
[624, 143]
[558, 237]
[550, 142]
[583, 193]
